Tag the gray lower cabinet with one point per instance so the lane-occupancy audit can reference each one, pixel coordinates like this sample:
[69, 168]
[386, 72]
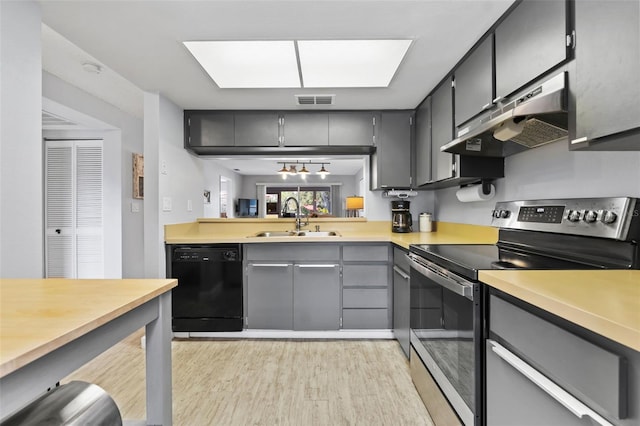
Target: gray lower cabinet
[529, 42]
[292, 286]
[316, 296]
[366, 293]
[270, 295]
[536, 369]
[401, 301]
[352, 128]
[604, 78]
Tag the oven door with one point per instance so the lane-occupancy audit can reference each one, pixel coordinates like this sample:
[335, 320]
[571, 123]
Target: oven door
[446, 333]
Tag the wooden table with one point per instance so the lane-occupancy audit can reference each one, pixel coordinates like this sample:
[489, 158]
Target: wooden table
[51, 327]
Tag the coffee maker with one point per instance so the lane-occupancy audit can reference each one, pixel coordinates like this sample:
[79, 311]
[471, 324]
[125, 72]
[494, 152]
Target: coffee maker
[401, 220]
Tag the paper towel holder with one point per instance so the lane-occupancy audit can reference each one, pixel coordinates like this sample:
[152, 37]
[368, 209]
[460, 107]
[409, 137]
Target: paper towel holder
[486, 186]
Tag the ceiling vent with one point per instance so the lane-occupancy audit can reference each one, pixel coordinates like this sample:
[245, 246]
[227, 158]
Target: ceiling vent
[315, 99]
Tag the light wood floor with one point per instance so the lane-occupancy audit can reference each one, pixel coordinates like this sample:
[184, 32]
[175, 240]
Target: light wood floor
[269, 382]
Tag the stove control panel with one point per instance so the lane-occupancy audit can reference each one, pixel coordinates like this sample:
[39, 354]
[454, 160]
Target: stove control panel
[611, 218]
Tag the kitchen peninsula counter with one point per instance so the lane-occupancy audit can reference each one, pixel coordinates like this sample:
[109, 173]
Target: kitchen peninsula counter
[606, 302]
[211, 231]
[51, 327]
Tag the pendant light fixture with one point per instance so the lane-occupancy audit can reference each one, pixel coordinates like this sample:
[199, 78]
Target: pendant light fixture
[303, 172]
[323, 172]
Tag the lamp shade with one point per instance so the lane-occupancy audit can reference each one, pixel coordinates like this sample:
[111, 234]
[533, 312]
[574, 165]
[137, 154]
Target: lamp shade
[355, 203]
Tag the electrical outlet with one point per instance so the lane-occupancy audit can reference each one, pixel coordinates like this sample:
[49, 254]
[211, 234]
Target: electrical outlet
[163, 167]
[166, 204]
[135, 207]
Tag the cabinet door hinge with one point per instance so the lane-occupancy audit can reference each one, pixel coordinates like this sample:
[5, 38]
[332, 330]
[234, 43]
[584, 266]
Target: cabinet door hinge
[189, 121]
[246, 321]
[340, 322]
[373, 120]
[410, 121]
[571, 39]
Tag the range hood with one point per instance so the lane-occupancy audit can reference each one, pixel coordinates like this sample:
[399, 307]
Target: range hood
[536, 117]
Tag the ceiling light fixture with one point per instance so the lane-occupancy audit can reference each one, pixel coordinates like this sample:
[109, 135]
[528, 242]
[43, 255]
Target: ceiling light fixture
[350, 63]
[300, 63]
[303, 172]
[248, 64]
[323, 172]
[92, 68]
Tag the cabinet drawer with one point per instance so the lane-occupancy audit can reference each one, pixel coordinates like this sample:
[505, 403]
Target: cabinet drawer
[365, 275]
[379, 253]
[365, 318]
[293, 252]
[365, 298]
[592, 374]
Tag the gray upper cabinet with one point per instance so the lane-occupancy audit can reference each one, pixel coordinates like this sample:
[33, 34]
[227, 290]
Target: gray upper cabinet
[392, 160]
[257, 129]
[529, 42]
[206, 129]
[604, 78]
[351, 128]
[305, 129]
[474, 82]
[423, 143]
[442, 131]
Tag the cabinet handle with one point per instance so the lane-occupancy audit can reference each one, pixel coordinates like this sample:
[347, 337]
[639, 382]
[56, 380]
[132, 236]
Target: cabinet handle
[556, 392]
[487, 106]
[315, 266]
[401, 272]
[270, 265]
[497, 99]
[579, 140]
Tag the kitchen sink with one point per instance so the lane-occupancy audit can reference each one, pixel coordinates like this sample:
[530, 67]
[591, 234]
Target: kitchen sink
[275, 234]
[318, 234]
[267, 234]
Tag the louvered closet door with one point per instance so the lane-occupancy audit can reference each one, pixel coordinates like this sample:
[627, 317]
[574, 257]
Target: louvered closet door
[59, 210]
[74, 194]
[89, 235]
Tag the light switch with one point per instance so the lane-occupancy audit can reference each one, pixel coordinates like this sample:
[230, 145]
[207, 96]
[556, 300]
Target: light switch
[135, 207]
[189, 206]
[166, 204]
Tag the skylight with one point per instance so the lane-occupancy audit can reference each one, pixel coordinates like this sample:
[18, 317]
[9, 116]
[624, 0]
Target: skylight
[248, 64]
[323, 63]
[350, 63]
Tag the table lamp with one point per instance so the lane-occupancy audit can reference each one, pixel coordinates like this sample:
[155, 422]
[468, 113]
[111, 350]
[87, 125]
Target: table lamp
[354, 205]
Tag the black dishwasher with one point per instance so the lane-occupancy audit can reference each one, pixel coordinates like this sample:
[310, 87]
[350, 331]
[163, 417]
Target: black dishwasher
[209, 292]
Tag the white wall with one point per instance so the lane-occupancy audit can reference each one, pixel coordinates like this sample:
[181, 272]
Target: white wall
[21, 171]
[378, 207]
[170, 173]
[547, 172]
[212, 173]
[123, 137]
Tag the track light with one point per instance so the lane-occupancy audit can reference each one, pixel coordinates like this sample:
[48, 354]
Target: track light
[323, 172]
[303, 172]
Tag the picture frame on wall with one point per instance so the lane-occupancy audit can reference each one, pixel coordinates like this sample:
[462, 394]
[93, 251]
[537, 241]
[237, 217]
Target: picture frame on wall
[138, 176]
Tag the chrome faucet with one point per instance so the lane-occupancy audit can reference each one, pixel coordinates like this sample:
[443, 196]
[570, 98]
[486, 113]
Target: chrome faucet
[298, 213]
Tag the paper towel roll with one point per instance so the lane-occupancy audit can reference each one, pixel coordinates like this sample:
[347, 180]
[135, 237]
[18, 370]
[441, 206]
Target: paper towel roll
[508, 130]
[472, 193]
